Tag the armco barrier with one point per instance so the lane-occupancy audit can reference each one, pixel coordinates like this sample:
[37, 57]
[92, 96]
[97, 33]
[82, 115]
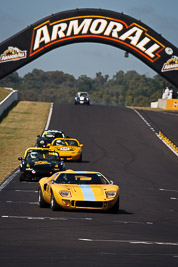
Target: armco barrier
[5, 104]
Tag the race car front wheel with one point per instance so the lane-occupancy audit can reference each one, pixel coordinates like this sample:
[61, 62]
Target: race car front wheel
[115, 208]
[21, 178]
[80, 159]
[53, 204]
[41, 201]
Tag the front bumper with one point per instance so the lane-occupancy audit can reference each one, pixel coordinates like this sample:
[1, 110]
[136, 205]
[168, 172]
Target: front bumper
[90, 205]
[37, 175]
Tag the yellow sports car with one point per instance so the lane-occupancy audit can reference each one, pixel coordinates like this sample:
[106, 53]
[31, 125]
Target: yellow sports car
[78, 190]
[68, 148]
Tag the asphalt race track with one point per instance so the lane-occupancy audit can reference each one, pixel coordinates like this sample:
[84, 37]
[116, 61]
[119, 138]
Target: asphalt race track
[121, 146]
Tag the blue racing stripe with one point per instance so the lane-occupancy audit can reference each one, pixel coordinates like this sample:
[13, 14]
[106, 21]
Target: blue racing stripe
[80, 172]
[87, 193]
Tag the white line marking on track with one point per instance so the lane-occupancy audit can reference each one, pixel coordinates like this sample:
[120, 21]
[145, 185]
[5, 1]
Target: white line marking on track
[6, 182]
[167, 145]
[49, 117]
[21, 202]
[137, 242]
[130, 222]
[136, 254]
[26, 191]
[46, 218]
[173, 198]
[168, 190]
[153, 130]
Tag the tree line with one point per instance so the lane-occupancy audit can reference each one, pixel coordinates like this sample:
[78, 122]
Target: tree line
[123, 89]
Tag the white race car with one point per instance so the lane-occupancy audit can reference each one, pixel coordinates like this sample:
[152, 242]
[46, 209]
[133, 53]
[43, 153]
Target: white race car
[82, 98]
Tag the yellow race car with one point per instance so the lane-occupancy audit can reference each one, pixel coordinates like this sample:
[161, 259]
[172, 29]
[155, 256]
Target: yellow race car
[76, 190]
[68, 148]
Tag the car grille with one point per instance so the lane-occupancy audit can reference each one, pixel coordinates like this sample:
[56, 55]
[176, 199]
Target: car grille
[42, 168]
[89, 204]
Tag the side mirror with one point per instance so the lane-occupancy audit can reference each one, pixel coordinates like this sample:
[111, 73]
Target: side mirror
[81, 145]
[38, 135]
[111, 182]
[20, 158]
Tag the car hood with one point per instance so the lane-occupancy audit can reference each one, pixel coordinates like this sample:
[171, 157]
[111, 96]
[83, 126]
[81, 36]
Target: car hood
[42, 163]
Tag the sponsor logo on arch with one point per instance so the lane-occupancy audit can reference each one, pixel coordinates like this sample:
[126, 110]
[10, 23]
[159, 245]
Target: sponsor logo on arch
[12, 54]
[171, 64]
[132, 36]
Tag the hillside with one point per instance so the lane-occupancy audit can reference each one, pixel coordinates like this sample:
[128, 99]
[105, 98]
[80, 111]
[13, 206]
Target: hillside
[123, 89]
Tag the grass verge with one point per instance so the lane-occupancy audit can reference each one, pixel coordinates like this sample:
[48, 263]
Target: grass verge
[18, 131]
[4, 93]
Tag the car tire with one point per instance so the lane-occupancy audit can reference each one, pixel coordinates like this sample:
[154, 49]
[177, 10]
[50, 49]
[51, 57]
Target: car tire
[53, 204]
[115, 208]
[21, 178]
[41, 202]
[80, 159]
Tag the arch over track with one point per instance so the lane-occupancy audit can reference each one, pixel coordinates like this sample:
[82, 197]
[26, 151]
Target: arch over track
[90, 25]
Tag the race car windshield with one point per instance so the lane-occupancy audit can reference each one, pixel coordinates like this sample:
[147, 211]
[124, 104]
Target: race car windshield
[59, 143]
[72, 142]
[34, 155]
[82, 178]
[50, 134]
[84, 94]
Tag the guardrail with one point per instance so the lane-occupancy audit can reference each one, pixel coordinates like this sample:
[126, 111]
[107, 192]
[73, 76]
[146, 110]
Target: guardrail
[7, 102]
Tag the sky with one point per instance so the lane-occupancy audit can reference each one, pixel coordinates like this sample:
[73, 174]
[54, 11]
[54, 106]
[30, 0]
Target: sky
[89, 58]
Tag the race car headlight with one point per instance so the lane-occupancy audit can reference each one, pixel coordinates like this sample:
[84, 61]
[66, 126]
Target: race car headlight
[110, 194]
[42, 142]
[56, 167]
[65, 193]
